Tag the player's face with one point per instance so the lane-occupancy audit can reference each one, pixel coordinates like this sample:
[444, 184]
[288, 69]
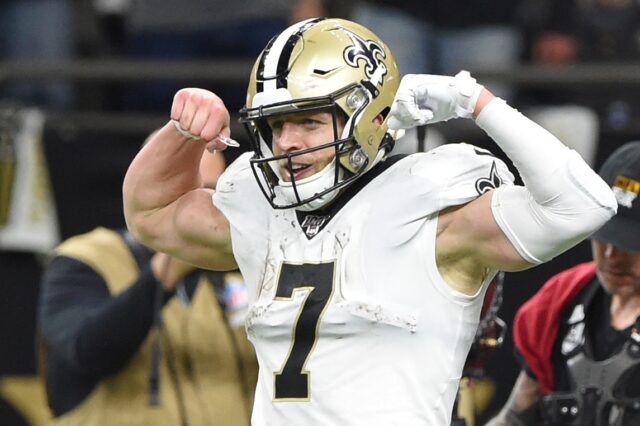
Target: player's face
[617, 269]
[300, 131]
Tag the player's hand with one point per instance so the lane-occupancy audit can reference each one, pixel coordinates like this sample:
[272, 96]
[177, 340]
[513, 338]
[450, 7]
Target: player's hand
[425, 98]
[199, 114]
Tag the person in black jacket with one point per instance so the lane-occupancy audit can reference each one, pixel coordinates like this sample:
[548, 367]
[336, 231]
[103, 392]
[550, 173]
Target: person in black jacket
[129, 336]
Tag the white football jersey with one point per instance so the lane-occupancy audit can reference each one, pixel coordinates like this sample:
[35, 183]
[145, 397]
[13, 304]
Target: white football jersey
[354, 325]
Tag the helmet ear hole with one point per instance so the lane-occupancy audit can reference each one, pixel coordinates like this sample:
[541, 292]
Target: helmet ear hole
[385, 112]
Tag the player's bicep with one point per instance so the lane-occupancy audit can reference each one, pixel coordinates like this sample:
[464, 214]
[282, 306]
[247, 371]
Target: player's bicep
[192, 229]
[204, 232]
[476, 233]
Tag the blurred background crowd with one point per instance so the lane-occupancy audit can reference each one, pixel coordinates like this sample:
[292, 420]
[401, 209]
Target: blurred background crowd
[83, 83]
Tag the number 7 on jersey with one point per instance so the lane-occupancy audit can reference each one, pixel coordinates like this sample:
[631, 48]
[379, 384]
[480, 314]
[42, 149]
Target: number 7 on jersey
[317, 281]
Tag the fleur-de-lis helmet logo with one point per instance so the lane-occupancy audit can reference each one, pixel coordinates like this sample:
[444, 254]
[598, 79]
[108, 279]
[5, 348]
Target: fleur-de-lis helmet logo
[367, 50]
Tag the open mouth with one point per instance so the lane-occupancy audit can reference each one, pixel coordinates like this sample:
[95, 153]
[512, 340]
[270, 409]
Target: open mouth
[297, 171]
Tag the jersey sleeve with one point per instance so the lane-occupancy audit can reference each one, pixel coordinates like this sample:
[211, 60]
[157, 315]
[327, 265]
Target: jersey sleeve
[81, 321]
[462, 172]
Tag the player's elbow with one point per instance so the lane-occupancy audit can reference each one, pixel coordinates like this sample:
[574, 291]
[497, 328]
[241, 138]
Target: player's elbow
[579, 221]
[597, 217]
[540, 232]
[587, 196]
[137, 218]
[608, 205]
[140, 227]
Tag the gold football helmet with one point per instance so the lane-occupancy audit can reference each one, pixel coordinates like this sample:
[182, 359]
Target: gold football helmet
[321, 65]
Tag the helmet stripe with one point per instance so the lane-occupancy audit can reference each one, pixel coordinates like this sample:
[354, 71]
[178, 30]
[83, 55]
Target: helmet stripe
[275, 59]
[260, 71]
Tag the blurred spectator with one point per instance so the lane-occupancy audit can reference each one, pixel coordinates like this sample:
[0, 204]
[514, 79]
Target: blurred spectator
[137, 338]
[549, 29]
[567, 31]
[37, 30]
[563, 32]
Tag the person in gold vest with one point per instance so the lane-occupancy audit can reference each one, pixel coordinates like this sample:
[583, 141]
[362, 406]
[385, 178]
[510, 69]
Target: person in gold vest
[132, 337]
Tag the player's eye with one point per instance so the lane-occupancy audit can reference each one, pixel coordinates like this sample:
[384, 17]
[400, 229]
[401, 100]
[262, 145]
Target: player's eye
[276, 125]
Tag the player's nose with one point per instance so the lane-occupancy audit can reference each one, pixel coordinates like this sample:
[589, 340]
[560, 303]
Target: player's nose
[288, 138]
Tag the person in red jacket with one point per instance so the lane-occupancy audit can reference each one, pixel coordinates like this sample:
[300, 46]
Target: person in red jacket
[579, 335]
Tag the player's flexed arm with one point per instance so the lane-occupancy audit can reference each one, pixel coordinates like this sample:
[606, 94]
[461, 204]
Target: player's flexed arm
[511, 228]
[165, 205]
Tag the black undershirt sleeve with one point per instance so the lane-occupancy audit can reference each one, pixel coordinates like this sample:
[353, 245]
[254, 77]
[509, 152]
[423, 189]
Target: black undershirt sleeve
[83, 324]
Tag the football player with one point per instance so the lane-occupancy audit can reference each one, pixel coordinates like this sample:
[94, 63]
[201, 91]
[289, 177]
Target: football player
[366, 270]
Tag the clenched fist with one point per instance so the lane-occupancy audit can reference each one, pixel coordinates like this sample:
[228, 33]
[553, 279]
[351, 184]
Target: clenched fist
[199, 114]
[424, 99]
